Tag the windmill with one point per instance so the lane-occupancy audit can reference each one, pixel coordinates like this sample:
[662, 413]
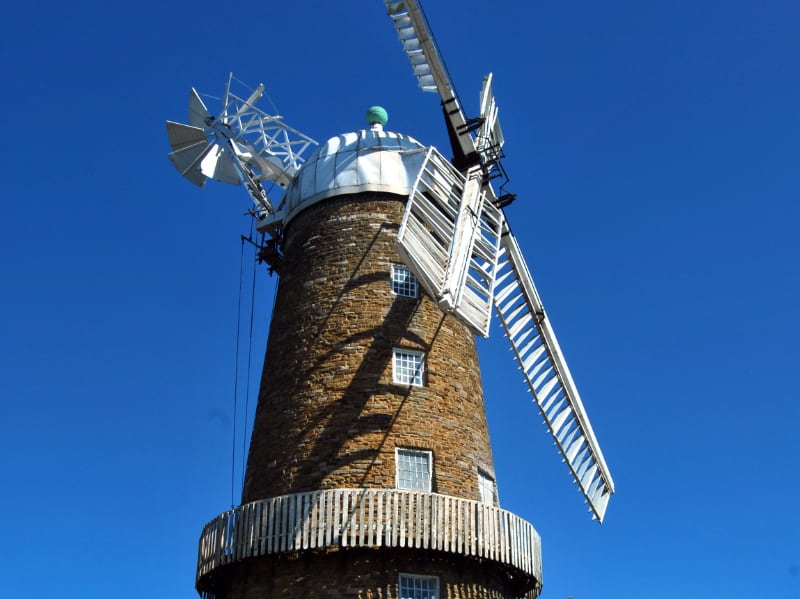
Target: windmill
[454, 236]
[370, 433]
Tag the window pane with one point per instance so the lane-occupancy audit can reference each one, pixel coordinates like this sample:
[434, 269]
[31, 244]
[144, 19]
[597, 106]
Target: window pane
[403, 281]
[413, 469]
[418, 587]
[408, 367]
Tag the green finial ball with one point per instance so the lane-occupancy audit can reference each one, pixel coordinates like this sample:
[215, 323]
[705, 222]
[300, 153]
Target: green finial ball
[377, 114]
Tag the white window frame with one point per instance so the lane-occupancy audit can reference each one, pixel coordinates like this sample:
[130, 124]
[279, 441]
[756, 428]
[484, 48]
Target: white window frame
[402, 372]
[403, 282]
[487, 487]
[426, 482]
[417, 586]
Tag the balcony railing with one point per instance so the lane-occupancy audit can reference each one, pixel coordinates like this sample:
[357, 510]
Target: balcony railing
[372, 518]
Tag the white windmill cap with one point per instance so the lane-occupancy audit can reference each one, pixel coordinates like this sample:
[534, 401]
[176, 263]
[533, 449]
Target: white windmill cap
[370, 160]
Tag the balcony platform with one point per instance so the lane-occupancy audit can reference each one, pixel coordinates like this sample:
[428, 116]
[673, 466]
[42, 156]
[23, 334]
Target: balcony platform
[372, 518]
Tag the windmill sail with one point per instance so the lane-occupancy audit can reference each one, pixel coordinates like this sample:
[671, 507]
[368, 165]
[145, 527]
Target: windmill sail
[414, 33]
[489, 138]
[450, 238]
[546, 373]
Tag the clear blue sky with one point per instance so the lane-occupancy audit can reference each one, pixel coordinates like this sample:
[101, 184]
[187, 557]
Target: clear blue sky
[654, 150]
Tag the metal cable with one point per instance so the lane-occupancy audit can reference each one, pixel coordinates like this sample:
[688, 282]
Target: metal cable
[236, 373]
[249, 355]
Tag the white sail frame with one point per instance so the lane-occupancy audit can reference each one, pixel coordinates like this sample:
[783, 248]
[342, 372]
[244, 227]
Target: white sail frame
[450, 239]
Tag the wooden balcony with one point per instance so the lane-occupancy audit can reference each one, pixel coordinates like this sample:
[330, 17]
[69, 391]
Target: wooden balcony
[372, 518]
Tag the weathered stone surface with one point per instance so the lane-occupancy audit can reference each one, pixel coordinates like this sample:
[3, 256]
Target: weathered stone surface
[364, 574]
[329, 414]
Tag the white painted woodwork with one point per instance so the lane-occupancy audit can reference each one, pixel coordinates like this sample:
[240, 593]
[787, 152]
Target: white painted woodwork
[370, 518]
[548, 377]
[450, 239]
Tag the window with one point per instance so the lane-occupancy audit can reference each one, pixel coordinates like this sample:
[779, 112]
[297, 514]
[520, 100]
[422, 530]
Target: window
[403, 282]
[414, 468]
[408, 366]
[414, 586]
[487, 487]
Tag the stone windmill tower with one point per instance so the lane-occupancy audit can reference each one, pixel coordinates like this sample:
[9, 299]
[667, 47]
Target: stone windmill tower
[370, 471]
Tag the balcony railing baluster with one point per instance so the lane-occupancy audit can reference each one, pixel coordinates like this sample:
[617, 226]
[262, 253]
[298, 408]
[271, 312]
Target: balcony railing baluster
[370, 518]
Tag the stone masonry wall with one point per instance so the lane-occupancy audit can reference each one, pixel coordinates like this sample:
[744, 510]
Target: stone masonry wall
[363, 574]
[329, 414]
